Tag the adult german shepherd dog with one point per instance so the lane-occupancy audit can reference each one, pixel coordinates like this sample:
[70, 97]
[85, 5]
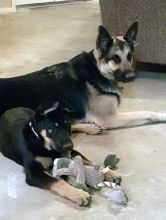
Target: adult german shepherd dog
[88, 82]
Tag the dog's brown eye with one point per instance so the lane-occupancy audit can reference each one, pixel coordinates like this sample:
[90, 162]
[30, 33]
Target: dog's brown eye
[129, 56]
[116, 59]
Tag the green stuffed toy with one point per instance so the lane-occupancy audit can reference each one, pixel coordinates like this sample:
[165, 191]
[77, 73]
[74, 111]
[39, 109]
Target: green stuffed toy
[111, 161]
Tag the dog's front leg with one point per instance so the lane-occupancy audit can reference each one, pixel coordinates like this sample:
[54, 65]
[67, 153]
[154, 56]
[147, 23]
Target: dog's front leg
[35, 176]
[76, 195]
[130, 119]
[87, 128]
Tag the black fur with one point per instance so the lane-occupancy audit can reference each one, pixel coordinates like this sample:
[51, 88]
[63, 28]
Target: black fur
[104, 41]
[131, 35]
[68, 80]
[20, 143]
[65, 80]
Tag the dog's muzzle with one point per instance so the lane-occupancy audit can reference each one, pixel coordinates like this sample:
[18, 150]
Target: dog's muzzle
[129, 76]
[126, 76]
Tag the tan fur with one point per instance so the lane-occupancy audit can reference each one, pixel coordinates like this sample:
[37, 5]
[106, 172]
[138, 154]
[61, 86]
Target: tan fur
[127, 119]
[112, 176]
[86, 128]
[131, 119]
[48, 142]
[100, 107]
[102, 113]
[45, 161]
[107, 69]
[104, 68]
[119, 38]
[76, 195]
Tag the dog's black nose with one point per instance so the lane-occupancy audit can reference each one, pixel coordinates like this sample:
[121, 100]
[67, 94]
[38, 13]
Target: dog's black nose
[68, 146]
[130, 75]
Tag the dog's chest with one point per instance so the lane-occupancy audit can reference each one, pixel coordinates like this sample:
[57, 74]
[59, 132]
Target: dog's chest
[46, 162]
[99, 105]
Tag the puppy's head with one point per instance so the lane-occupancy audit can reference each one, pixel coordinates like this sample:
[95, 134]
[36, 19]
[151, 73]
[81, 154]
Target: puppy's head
[53, 124]
[114, 54]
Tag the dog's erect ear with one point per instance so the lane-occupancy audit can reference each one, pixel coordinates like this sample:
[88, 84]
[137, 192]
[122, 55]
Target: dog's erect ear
[131, 34]
[51, 108]
[66, 107]
[104, 40]
[47, 107]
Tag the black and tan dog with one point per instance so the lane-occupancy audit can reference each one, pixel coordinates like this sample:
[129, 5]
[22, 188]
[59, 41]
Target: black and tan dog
[34, 140]
[88, 82]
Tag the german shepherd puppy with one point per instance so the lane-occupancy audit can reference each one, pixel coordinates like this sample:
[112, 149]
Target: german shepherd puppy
[88, 82]
[34, 140]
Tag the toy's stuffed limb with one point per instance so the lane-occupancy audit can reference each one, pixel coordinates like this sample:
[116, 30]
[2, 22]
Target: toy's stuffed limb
[63, 172]
[61, 167]
[80, 176]
[93, 176]
[71, 168]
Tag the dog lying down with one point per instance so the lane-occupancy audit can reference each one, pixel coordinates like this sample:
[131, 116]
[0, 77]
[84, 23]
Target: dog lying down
[88, 82]
[35, 139]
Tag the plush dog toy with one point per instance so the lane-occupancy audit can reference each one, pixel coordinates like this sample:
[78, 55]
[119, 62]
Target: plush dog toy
[82, 177]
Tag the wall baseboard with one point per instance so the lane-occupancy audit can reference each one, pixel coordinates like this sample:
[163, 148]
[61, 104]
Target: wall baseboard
[7, 10]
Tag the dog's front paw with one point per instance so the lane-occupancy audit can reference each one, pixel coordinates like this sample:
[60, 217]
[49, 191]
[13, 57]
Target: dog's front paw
[87, 128]
[93, 129]
[80, 197]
